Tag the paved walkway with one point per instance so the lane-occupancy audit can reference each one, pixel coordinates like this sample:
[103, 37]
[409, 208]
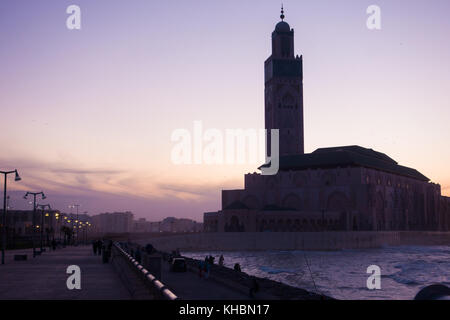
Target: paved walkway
[189, 286]
[44, 277]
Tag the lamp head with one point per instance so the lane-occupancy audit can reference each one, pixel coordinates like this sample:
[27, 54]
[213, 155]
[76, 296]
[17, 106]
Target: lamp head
[43, 196]
[17, 178]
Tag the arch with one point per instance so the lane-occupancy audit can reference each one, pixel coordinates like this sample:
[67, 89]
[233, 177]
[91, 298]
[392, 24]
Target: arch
[263, 225]
[288, 225]
[297, 225]
[355, 224]
[280, 225]
[379, 212]
[251, 202]
[271, 225]
[328, 179]
[337, 201]
[287, 99]
[271, 182]
[234, 225]
[234, 221]
[292, 201]
[300, 180]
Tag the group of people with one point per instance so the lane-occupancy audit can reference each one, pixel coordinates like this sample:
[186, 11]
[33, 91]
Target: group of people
[97, 246]
[137, 253]
[102, 247]
[204, 267]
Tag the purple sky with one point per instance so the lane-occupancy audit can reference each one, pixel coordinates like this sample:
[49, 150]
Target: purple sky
[88, 114]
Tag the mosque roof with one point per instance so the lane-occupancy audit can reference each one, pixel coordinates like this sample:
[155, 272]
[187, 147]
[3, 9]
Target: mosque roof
[354, 156]
[282, 26]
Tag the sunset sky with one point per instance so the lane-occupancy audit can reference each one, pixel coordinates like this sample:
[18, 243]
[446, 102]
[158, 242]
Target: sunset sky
[87, 115]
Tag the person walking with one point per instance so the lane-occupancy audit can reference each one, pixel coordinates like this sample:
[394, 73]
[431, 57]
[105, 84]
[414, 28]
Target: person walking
[207, 269]
[94, 247]
[138, 256]
[99, 247]
[254, 288]
[200, 268]
[106, 251]
[221, 260]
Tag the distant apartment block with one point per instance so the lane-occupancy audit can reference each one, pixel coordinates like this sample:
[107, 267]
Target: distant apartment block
[169, 224]
[115, 222]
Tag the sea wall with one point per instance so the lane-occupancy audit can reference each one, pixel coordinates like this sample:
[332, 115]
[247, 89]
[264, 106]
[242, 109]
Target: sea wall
[258, 241]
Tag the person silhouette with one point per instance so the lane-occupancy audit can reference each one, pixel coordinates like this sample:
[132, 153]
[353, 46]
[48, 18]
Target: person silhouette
[94, 247]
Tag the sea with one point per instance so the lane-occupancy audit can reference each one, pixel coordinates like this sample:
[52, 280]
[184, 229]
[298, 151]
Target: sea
[404, 270]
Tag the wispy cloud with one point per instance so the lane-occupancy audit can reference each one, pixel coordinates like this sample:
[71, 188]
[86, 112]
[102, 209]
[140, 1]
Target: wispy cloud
[106, 189]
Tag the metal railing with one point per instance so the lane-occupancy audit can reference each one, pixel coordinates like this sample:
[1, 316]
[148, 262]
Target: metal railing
[149, 279]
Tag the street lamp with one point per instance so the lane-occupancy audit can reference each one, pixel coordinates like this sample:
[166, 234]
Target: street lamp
[43, 197]
[42, 207]
[17, 178]
[75, 206]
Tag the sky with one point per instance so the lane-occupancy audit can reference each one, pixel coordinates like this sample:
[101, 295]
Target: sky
[88, 115]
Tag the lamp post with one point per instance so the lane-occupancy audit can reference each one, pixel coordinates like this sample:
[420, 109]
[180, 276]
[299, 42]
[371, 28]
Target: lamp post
[70, 235]
[85, 223]
[76, 220]
[57, 217]
[42, 207]
[43, 197]
[17, 178]
[63, 221]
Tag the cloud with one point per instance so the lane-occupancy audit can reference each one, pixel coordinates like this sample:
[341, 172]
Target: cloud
[106, 189]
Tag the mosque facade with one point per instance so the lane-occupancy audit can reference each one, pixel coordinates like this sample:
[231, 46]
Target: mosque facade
[337, 188]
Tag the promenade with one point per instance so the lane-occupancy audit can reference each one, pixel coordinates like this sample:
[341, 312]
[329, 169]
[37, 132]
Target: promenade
[44, 277]
[189, 286]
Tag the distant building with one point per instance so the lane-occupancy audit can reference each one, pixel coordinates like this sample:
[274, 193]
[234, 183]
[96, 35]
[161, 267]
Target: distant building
[176, 225]
[155, 226]
[20, 222]
[338, 188]
[115, 222]
[141, 225]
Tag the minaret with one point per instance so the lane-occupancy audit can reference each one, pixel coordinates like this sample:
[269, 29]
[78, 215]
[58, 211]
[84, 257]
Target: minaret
[284, 91]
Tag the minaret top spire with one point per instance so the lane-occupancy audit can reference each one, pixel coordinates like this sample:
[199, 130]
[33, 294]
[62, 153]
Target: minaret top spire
[282, 13]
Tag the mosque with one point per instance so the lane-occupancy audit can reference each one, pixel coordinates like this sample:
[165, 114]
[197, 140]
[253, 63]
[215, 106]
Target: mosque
[336, 188]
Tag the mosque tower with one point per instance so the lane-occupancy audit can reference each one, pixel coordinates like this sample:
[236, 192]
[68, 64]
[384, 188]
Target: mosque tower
[284, 91]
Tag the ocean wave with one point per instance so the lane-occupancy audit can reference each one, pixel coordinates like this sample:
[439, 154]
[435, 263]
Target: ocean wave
[342, 274]
[271, 270]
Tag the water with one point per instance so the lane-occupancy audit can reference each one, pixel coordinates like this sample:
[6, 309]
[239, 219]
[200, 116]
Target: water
[342, 274]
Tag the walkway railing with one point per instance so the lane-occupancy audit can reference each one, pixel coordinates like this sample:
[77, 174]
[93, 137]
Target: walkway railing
[158, 288]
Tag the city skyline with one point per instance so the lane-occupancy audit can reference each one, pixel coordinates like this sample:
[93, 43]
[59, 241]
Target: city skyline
[95, 124]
